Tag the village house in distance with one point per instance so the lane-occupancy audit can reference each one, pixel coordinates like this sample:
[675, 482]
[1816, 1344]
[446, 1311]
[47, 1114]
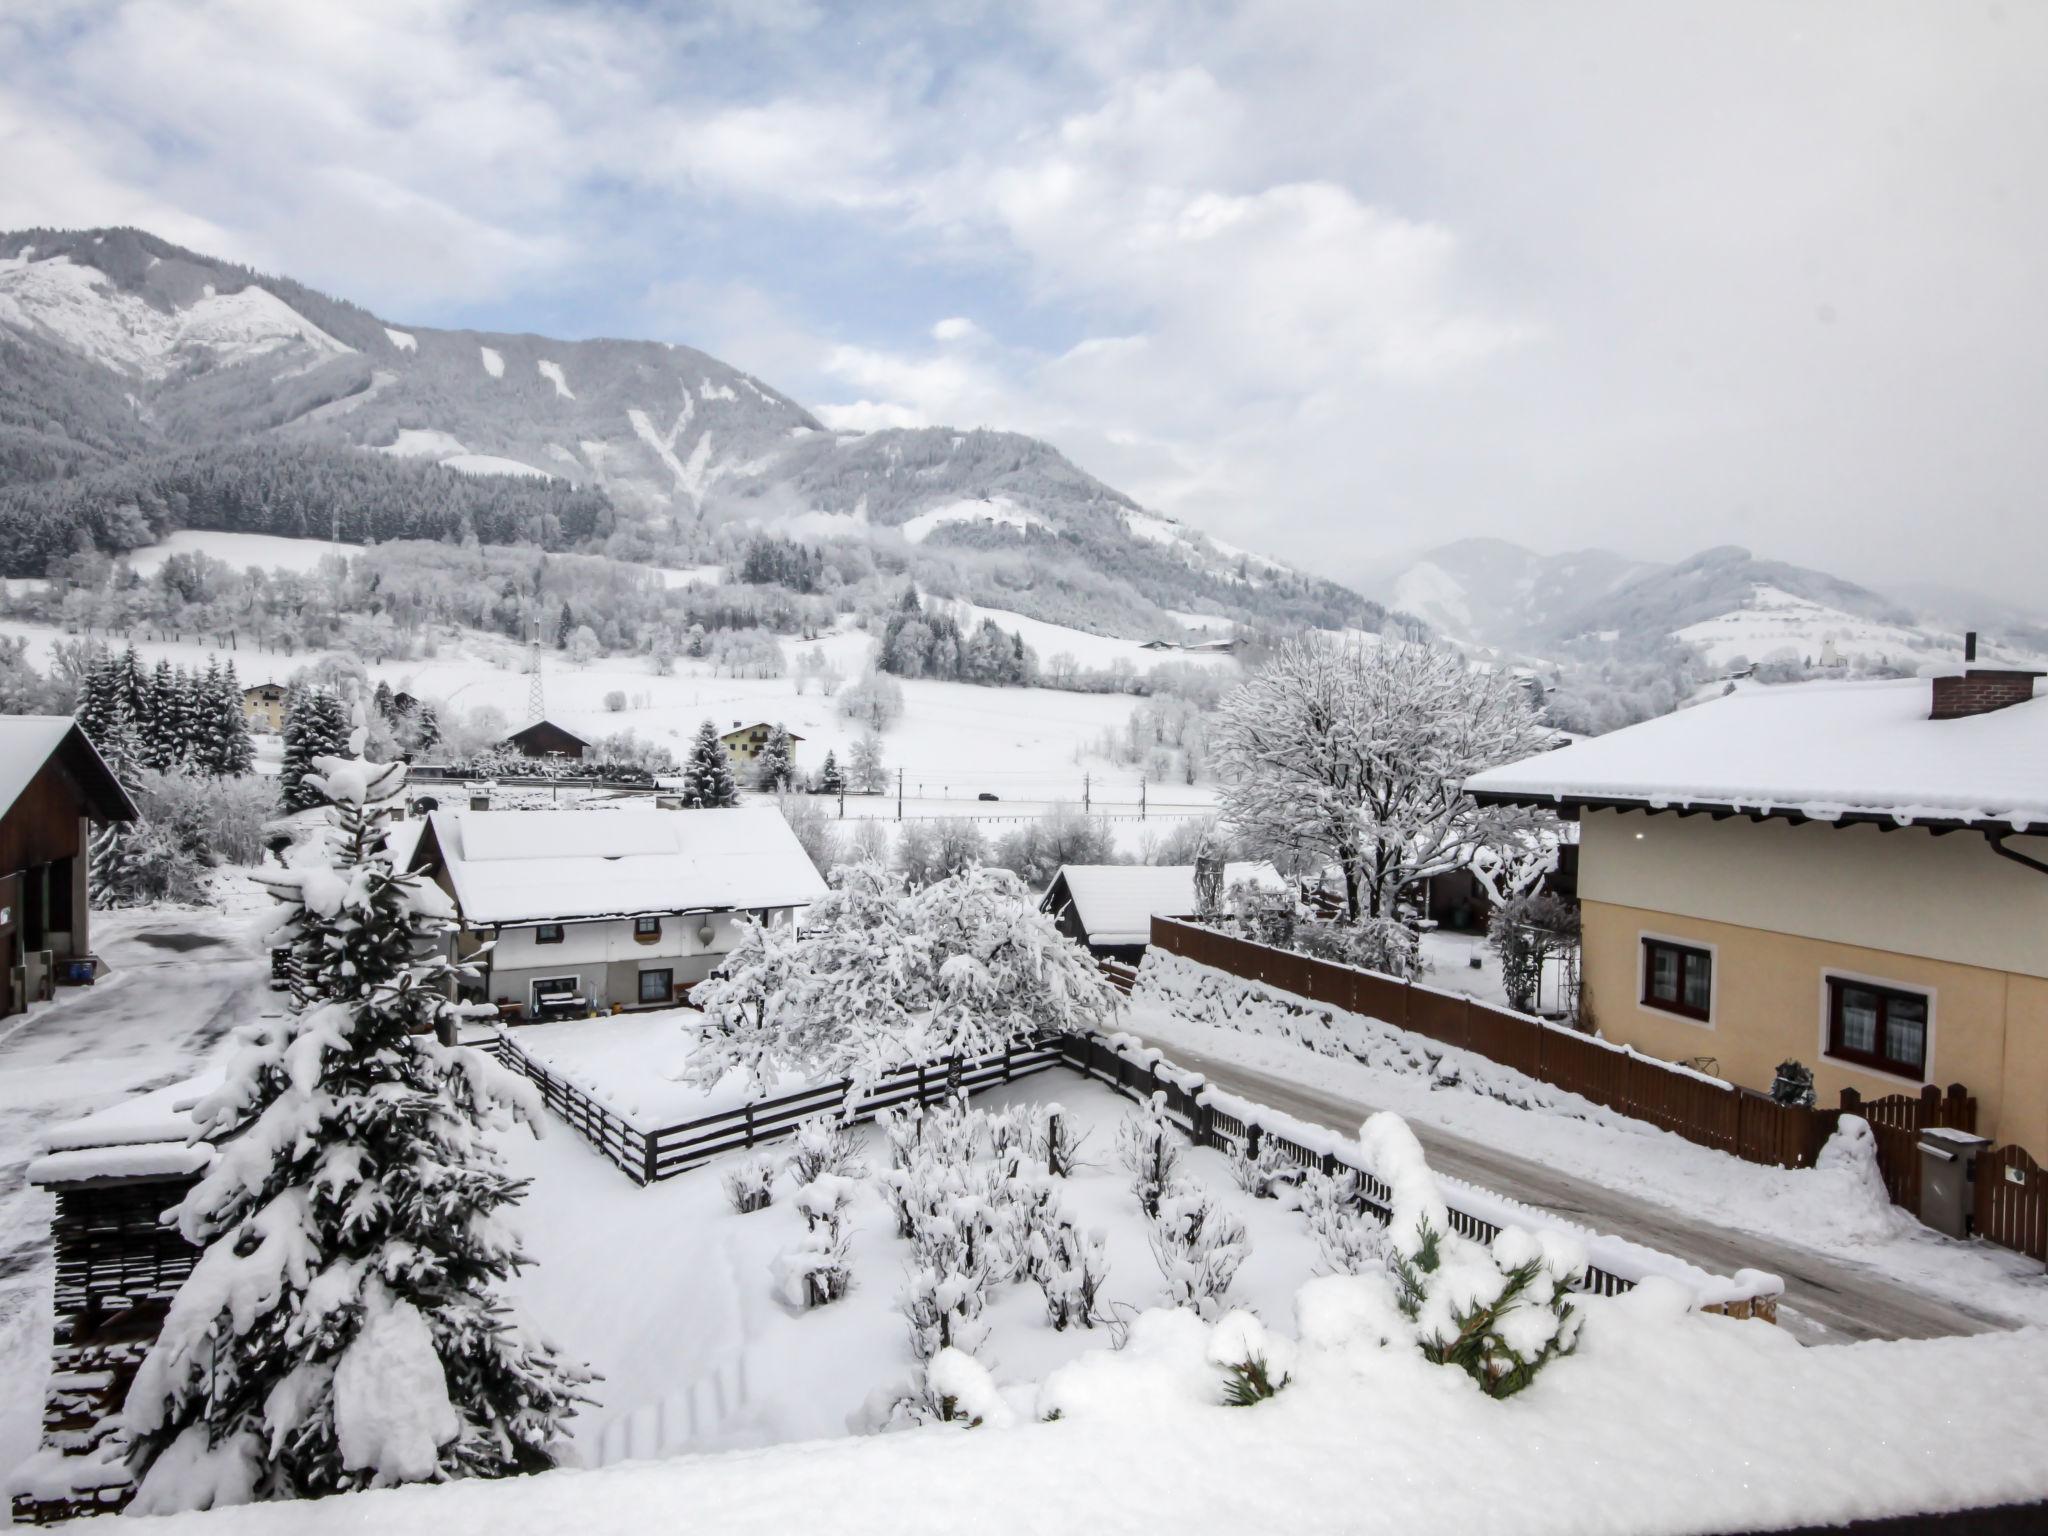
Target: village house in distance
[53, 786]
[743, 743]
[544, 738]
[263, 707]
[601, 911]
[1851, 875]
[1108, 908]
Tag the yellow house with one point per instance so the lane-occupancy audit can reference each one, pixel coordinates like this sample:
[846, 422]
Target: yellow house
[263, 707]
[1853, 875]
[743, 743]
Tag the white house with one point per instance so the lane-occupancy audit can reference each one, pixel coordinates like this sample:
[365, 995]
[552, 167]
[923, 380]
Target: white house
[596, 910]
[1108, 908]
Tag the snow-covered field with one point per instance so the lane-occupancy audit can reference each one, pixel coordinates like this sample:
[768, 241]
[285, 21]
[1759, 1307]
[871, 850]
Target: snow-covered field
[1371, 1062]
[240, 550]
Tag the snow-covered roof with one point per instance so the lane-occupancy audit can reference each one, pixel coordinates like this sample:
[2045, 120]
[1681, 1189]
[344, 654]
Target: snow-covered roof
[1117, 902]
[545, 725]
[547, 866]
[27, 742]
[147, 1136]
[758, 725]
[1824, 751]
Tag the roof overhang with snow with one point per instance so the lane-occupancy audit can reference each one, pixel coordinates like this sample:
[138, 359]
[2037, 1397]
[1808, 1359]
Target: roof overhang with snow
[512, 867]
[28, 743]
[1840, 753]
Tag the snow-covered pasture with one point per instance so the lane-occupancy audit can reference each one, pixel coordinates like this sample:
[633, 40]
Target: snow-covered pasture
[670, 1293]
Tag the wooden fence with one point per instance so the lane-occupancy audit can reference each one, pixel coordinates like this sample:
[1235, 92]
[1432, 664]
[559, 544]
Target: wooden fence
[1702, 1109]
[647, 1156]
[2011, 1189]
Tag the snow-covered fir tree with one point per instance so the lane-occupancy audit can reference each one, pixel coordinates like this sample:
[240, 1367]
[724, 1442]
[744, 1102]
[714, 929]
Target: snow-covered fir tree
[707, 772]
[343, 1327]
[163, 719]
[1357, 755]
[225, 749]
[775, 768]
[830, 780]
[315, 726]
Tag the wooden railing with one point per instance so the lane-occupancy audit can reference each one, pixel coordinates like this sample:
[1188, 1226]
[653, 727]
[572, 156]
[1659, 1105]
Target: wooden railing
[650, 1155]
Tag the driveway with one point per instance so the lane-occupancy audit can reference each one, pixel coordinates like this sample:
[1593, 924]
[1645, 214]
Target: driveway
[1825, 1300]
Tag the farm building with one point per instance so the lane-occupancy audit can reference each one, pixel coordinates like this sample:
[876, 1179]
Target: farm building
[743, 743]
[263, 707]
[53, 785]
[544, 738]
[595, 911]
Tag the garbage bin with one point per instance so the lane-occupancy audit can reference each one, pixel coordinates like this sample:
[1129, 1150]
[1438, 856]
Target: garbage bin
[1948, 1169]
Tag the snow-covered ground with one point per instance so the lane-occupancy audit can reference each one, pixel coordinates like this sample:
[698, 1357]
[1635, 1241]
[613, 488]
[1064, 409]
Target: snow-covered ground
[1376, 1064]
[240, 550]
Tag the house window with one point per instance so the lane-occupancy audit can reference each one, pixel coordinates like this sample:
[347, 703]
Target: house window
[548, 933]
[1677, 978]
[657, 986]
[646, 927]
[1881, 1027]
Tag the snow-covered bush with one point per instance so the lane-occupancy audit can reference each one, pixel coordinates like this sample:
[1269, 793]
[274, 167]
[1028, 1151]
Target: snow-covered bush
[1198, 1247]
[750, 1183]
[1008, 1133]
[1266, 915]
[818, 1271]
[343, 1327]
[1069, 1266]
[1793, 1085]
[1054, 1141]
[1256, 1364]
[1353, 1243]
[1500, 1312]
[1264, 1174]
[1525, 932]
[950, 1388]
[824, 1144]
[1149, 1145]
[944, 1308]
[1389, 946]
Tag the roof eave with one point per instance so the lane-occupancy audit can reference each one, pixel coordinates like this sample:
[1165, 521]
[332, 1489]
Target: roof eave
[1570, 806]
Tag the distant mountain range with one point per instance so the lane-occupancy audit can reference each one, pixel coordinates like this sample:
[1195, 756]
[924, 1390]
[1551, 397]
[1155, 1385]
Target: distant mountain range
[1498, 596]
[145, 387]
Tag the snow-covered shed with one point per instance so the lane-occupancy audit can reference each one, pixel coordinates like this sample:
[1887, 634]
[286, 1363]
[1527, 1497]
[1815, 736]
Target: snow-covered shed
[544, 738]
[602, 909]
[1108, 908]
[113, 1174]
[53, 786]
[1852, 875]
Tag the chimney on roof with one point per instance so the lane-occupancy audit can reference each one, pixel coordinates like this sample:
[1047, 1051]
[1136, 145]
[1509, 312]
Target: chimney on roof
[1979, 690]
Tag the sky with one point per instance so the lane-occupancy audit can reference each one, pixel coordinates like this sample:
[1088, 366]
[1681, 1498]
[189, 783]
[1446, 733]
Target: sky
[1337, 281]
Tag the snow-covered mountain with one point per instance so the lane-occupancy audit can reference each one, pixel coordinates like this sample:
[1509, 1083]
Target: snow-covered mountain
[1732, 606]
[116, 346]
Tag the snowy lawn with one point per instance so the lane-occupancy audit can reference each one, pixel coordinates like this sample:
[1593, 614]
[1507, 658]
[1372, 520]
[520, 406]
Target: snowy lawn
[1377, 1064]
[670, 1293]
[631, 1062]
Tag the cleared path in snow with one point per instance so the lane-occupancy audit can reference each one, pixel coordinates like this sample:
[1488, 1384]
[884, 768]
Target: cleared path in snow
[1835, 1302]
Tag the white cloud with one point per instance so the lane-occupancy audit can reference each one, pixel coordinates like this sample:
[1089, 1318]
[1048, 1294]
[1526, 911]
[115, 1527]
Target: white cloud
[957, 328]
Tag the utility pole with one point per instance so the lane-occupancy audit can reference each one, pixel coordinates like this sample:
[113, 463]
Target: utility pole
[842, 804]
[1141, 799]
[1086, 787]
[899, 792]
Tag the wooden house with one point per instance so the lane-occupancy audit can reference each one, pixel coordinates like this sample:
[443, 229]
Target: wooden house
[544, 738]
[53, 786]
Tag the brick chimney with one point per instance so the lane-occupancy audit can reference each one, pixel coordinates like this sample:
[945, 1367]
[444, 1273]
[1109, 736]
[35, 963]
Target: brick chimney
[1979, 690]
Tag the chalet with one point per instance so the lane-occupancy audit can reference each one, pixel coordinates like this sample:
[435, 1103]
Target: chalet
[544, 738]
[743, 743]
[53, 786]
[263, 707]
[1108, 908]
[589, 911]
[1853, 875]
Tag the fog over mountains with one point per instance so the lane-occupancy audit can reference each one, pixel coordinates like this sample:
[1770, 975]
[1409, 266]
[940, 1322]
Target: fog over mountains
[147, 387]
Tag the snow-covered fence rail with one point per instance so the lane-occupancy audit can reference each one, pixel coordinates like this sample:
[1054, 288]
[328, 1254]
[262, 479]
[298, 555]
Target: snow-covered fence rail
[648, 1155]
[1702, 1109]
[1213, 1118]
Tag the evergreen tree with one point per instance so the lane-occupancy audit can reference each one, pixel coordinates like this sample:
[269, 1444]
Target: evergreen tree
[707, 773]
[103, 710]
[161, 720]
[830, 780]
[565, 629]
[315, 726]
[235, 753]
[775, 769]
[343, 1328]
[382, 698]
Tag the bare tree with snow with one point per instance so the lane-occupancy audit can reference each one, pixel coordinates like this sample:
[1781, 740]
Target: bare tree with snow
[1357, 755]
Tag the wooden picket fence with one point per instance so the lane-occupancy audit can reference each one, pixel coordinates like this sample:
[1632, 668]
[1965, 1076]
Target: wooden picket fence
[647, 1156]
[2011, 1189]
[1751, 1125]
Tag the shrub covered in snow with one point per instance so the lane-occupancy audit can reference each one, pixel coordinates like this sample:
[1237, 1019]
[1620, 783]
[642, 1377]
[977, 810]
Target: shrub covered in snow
[950, 1388]
[1070, 1267]
[1054, 1141]
[819, 1270]
[750, 1183]
[1353, 1243]
[825, 1144]
[1265, 1173]
[1499, 1312]
[343, 1326]
[1256, 1364]
[1198, 1247]
[1149, 1145]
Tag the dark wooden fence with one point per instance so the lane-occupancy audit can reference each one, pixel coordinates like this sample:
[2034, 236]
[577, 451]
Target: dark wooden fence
[2012, 1201]
[650, 1155]
[1702, 1109]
